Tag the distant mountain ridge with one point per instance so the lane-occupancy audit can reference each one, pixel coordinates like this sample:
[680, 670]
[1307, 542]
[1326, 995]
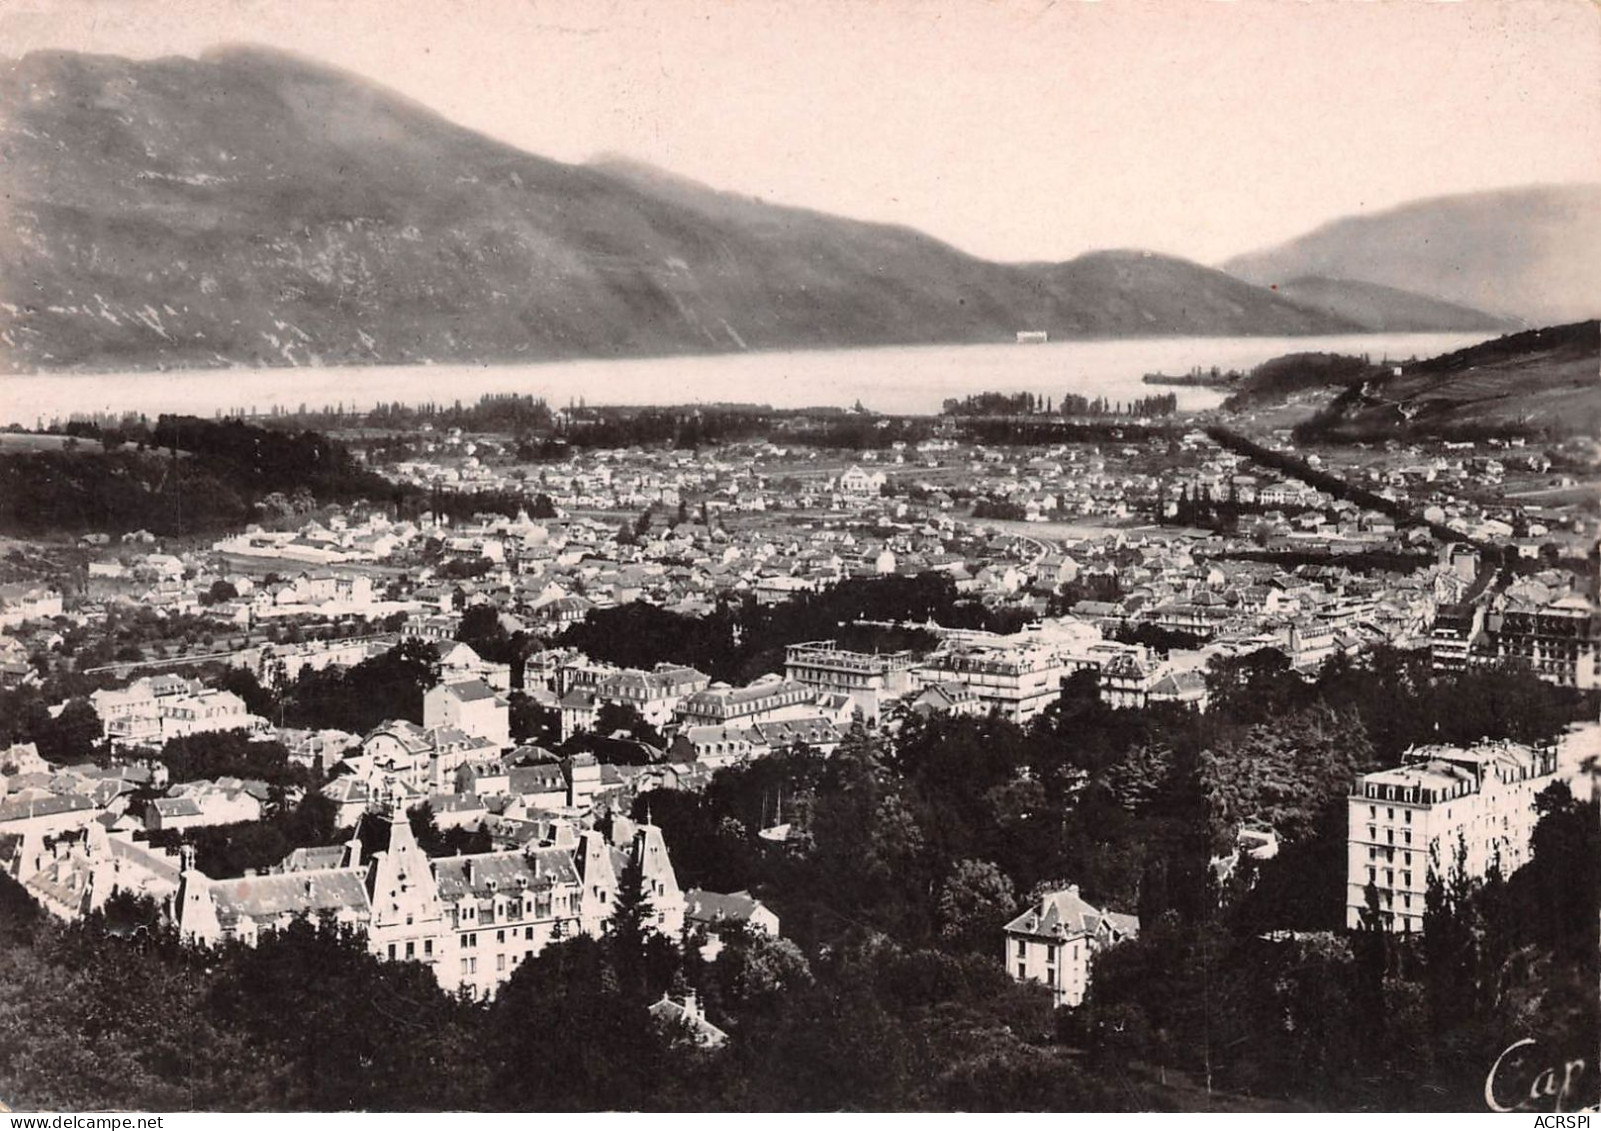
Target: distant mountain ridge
[251, 208]
[1532, 254]
[1386, 308]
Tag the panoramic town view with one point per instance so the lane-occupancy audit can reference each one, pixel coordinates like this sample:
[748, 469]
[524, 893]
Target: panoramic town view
[485, 632]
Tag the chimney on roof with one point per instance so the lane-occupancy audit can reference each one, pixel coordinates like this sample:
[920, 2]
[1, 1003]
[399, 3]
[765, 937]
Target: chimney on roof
[691, 1005]
[1072, 890]
[352, 852]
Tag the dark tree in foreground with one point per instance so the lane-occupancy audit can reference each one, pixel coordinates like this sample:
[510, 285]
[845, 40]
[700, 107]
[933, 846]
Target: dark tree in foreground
[73, 736]
[613, 718]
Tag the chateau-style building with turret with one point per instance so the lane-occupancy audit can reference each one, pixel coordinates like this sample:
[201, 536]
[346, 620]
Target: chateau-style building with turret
[472, 919]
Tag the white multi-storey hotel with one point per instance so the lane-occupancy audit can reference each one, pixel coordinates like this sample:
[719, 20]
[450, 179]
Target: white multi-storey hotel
[869, 679]
[1017, 682]
[1443, 809]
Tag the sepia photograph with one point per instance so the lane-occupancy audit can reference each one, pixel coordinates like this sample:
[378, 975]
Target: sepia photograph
[723, 556]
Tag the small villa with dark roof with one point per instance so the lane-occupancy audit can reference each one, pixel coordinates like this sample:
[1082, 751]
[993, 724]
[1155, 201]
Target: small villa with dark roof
[713, 913]
[1056, 942]
[687, 1014]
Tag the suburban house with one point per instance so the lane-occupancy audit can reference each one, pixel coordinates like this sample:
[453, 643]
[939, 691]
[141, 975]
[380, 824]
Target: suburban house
[1057, 942]
[471, 706]
[688, 1014]
[201, 804]
[21, 603]
[713, 913]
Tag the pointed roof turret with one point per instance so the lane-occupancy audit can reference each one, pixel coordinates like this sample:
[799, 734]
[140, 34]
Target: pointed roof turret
[400, 881]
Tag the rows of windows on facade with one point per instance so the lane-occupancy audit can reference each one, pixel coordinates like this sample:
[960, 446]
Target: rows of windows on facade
[471, 918]
[1444, 811]
[474, 918]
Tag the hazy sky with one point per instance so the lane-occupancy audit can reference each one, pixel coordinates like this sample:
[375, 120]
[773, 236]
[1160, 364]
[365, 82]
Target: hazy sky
[1016, 130]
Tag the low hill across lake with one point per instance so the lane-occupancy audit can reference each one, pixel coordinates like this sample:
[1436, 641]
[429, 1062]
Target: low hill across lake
[1280, 378]
[1537, 383]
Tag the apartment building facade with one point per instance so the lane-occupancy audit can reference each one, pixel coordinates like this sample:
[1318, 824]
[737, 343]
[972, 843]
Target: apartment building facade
[1017, 682]
[869, 679]
[1444, 809]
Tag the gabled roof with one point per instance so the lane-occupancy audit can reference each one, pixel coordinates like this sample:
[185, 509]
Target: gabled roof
[312, 859]
[410, 736]
[816, 730]
[306, 892]
[482, 875]
[713, 907]
[1180, 683]
[471, 690]
[951, 692]
[158, 863]
[1065, 915]
[456, 803]
[349, 789]
[737, 733]
[702, 1031]
[542, 777]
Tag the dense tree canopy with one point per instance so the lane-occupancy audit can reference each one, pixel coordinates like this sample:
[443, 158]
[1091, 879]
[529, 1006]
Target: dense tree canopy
[356, 699]
[903, 856]
[230, 753]
[739, 641]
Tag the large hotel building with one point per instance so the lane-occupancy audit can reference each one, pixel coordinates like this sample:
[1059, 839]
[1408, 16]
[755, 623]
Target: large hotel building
[1444, 808]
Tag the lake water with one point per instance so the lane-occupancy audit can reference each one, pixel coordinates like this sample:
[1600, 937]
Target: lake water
[899, 379]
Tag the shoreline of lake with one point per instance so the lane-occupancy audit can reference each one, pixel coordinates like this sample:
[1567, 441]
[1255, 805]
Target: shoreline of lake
[907, 380]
